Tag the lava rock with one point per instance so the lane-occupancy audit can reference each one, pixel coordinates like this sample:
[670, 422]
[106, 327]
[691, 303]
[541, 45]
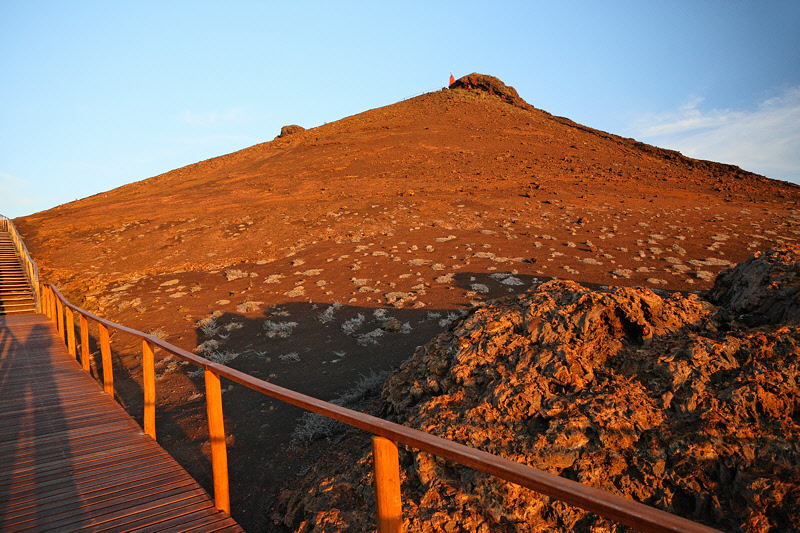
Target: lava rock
[764, 289]
[491, 85]
[622, 389]
[290, 130]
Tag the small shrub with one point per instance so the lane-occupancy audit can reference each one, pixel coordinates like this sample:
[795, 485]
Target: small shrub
[312, 426]
[298, 291]
[450, 318]
[369, 338]
[159, 333]
[222, 358]
[479, 287]
[235, 273]
[327, 314]
[279, 329]
[353, 325]
[248, 307]
[208, 325]
[207, 347]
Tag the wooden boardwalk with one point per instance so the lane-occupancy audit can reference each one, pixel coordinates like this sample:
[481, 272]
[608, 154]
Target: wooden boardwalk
[72, 459]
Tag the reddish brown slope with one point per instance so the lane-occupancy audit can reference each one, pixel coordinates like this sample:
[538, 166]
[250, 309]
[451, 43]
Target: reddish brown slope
[447, 147]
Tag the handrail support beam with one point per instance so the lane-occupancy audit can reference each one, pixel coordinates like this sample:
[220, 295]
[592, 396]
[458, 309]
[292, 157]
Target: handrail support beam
[216, 433]
[149, 379]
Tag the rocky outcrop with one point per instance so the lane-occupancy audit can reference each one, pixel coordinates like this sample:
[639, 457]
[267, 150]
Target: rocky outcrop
[290, 130]
[659, 399]
[491, 85]
[762, 290]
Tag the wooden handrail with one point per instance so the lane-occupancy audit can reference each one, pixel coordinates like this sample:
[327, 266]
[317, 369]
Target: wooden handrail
[611, 506]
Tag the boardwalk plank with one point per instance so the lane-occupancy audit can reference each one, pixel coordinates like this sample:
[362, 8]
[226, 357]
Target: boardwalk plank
[168, 520]
[57, 492]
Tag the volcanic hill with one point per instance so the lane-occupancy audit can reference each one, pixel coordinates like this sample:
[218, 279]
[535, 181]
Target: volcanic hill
[333, 252]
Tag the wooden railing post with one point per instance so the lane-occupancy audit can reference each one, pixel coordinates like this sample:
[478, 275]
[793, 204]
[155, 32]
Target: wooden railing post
[216, 432]
[84, 343]
[60, 318]
[149, 378]
[45, 303]
[387, 485]
[71, 333]
[105, 350]
[52, 305]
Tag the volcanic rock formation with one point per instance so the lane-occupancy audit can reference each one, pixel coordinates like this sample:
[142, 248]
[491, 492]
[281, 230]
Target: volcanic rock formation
[492, 86]
[655, 398]
[290, 130]
[764, 289]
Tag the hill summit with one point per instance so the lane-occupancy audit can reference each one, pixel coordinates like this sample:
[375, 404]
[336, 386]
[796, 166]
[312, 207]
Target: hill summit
[493, 86]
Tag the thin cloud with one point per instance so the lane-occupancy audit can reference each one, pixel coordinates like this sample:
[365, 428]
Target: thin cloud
[766, 140]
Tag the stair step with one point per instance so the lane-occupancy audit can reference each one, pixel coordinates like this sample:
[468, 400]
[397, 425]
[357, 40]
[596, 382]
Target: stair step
[7, 308]
[16, 294]
[17, 299]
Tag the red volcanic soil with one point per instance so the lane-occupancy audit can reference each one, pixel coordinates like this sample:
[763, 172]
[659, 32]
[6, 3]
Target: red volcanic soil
[424, 209]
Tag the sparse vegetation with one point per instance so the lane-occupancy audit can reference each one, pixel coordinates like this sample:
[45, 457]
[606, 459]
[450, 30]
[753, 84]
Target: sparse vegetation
[365, 339]
[328, 314]
[159, 333]
[208, 326]
[207, 347]
[248, 307]
[235, 273]
[312, 426]
[280, 330]
[222, 358]
[480, 288]
[451, 317]
[354, 324]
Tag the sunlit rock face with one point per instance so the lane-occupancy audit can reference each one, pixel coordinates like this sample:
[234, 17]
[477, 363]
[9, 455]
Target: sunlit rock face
[668, 400]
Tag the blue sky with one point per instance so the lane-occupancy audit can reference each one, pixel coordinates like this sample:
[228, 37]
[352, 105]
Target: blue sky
[94, 95]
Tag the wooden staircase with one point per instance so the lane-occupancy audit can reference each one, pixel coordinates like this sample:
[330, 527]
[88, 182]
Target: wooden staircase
[16, 293]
